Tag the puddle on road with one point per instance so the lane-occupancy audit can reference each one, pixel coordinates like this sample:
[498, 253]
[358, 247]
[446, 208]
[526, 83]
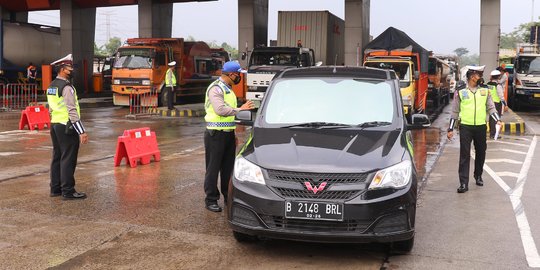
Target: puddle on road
[427, 143]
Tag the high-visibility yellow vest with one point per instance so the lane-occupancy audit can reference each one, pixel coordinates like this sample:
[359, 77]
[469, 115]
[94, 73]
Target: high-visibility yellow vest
[170, 78]
[213, 120]
[494, 95]
[59, 112]
[473, 106]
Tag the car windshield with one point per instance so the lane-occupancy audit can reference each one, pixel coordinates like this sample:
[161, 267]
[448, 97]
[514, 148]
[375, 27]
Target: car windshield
[334, 101]
[528, 64]
[133, 58]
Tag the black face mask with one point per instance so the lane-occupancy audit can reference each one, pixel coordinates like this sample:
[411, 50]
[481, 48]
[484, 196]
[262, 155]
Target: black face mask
[237, 79]
[480, 81]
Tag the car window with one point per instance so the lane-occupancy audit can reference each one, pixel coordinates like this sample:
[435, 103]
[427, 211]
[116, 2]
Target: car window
[340, 100]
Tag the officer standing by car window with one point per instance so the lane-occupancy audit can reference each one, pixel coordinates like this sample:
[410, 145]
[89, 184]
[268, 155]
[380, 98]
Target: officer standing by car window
[470, 106]
[170, 83]
[67, 131]
[497, 95]
[219, 138]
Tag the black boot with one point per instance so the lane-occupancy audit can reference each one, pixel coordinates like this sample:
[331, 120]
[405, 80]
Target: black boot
[479, 181]
[462, 188]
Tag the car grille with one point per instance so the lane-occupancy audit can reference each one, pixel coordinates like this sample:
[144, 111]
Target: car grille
[278, 222]
[324, 195]
[330, 178]
[316, 179]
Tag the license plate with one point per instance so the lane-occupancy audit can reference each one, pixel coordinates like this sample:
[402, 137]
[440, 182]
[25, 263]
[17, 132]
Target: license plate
[314, 210]
[537, 95]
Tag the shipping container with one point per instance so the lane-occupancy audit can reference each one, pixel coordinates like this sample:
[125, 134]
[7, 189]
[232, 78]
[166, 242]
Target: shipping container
[321, 31]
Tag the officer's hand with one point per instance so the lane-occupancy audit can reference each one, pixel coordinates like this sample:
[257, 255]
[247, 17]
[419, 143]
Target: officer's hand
[499, 123]
[247, 106]
[84, 138]
[450, 134]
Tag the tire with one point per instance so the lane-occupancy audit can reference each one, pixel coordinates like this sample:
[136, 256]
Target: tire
[162, 98]
[244, 238]
[402, 247]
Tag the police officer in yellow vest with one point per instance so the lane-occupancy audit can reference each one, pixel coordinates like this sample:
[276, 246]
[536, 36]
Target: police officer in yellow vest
[472, 105]
[219, 138]
[170, 83]
[67, 131]
[497, 94]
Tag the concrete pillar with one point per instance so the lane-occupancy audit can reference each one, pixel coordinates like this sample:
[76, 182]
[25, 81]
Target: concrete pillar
[490, 32]
[155, 19]
[252, 25]
[356, 30]
[77, 31]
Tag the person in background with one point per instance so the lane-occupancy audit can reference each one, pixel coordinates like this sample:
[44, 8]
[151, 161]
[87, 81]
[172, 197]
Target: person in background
[497, 95]
[170, 83]
[219, 138]
[31, 73]
[67, 131]
[471, 106]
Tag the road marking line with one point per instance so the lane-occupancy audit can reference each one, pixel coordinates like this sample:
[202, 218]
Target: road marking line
[504, 160]
[510, 143]
[513, 151]
[512, 174]
[529, 246]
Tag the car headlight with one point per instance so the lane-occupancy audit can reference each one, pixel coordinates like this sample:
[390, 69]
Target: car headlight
[246, 171]
[396, 176]
[145, 82]
[520, 92]
[116, 81]
[252, 88]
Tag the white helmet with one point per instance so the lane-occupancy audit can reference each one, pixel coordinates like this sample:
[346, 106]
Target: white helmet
[495, 73]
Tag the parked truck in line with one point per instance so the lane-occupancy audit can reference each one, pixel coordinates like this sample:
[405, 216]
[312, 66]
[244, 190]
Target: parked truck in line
[526, 87]
[25, 43]
[141, 64]
[393, 49]
[439, 77]
[265, 62]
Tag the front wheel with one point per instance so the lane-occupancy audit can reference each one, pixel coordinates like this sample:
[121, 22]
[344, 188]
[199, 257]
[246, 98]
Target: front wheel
[244, 238]
[402, 247]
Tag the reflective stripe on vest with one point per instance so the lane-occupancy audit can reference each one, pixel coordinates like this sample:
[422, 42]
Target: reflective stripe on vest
[213, 120]
[473, 106]
[170, 79]
[59, 112]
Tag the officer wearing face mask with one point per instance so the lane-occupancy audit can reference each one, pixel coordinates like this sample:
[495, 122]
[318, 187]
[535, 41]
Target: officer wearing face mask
[471, 106]
[219, 138]
[67, 131]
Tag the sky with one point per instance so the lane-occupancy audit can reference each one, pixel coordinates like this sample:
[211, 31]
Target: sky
[440, 26]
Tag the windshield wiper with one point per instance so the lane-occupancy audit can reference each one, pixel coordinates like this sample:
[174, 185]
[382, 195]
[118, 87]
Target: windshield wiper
[319, 125]
[373, 124]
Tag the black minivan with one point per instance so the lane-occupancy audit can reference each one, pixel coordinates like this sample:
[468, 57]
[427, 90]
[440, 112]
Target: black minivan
[329, 159]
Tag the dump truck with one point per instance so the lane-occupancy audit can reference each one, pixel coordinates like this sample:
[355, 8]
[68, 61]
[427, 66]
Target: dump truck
[439, 76]
[141, 64]
[393, 49]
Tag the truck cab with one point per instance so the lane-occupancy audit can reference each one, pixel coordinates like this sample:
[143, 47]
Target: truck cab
[404, 69]
[265, 62]
[526, 77]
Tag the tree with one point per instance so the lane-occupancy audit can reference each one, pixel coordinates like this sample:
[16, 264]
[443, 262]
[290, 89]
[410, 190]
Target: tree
[98, 51]
[113, 45]
[461, 51]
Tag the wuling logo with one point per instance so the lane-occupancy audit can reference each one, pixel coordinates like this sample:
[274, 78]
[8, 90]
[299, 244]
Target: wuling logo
[314, 188]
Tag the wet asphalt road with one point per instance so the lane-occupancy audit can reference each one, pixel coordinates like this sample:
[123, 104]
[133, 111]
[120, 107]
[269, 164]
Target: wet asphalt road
[151, 216]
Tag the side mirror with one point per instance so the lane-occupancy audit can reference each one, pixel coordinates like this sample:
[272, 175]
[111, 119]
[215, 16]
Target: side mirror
[244, 118]
[420, 121]
[318, 63]
[244, 56]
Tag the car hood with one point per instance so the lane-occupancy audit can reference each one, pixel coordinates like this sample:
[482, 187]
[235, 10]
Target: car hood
[324, 150]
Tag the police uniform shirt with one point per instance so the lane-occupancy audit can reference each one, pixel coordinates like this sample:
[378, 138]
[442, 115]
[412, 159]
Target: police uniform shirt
[215, 96]
[457, 100]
